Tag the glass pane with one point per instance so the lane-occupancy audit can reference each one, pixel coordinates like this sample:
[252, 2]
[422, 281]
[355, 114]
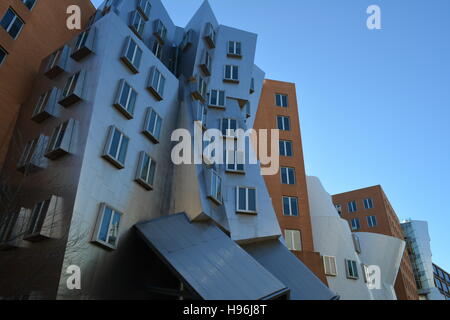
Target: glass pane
[213, 99]
[294, 206]
[289, 149]
[287, 125]
[242, 199]
[123, 150]
[61, 135]
[221, 98]
[131, 50]
[227, 72]
[145, 167]
[158, 127]
[104, 227]
[151, 177]
[113, 149]
[280, 123]
[251, 199]
[152, 122]
[238, 48]
[162, 84]
[124, 95]
[284, 177]
[282, 149]
[291, 176]
[132, 101]
[114, 231]
[7, 18]
[286, 210]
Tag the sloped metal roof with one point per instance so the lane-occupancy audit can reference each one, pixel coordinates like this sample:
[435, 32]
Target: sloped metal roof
[213, 265]
[302, 282]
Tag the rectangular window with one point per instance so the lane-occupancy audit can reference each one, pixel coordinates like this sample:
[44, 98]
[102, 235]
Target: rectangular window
[126, 99]
[235, 160]
[290, 206]
[57, 62]
[368, 203]
[281, 100]
[252, 86]
[160, 31]
[137, 23]
[352, 269]
[116, 147]
[84, 45]
[29, 3]
[202, 114]
[3, 55]
[37, 219]
[205, 64]
[234, 49]
[355, 224]
[202, 88]
[339, 209]
[352, 206]
[144, 8]
[61, 140]
[32, 155]
[210, 36]
[107, 227]
[330, 266]
[229, 127]
[156, 83]
[217, 98]
[293, 240]
[283, 123]
[45, 106]
[146, 171]
[132, 55]
[356, 243]
[157, 49]
[215, 192]
[231, 73]
[372, 221]
[286, 148]
[73, 90]
[186, 43]
[288, 175]
[153, 124]
[12, 23]
[246, 200]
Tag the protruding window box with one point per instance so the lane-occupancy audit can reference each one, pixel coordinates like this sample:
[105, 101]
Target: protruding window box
[61, 141]
[210, 36]
[159, 31]
[144, 8]
[201, 114]
[152, 125]
[137, 23]
[45, 220]
[145, 174]
[132, 55]
[45, 106]
[84, 45]
[73, 90]
[13, 228]
[205, 64]
[56, 63]
[116, 147]
[199, 89]
[156, 83]
[32, 158]
[214, 185]
[188, 39]
[126, 99]
[107, 227]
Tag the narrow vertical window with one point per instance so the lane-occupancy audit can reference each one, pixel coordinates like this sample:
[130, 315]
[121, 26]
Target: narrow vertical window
[3, 55]
[368, 203]
[116, 147]
[132, 55]
[352, 206]
[153, 124]
[355, 224]
[126, 99]
[146, 171]
[12, 23]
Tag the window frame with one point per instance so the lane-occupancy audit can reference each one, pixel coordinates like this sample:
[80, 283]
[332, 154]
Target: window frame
[283, 121]
[99, 224]
[129, 108]
[281, 104]
[219, 93]
[228, 128]
[114, 159]
[12, 22]
[352, 206]
[158, 91]
[290, 213]
[37, 220]
[234, 53]
[285, 144]
[288, 169]
[132, 64]
[152, 135]
[333, 267]
[247, 209]
[291, 244]
[160, 31]
[353, 227]
[215, 195]
[149, 174]
[372, 221]
[351, 269]
[28, 7]
[60, 142]
[235, 167]
[3, 55]
[368, 203]
[210, 35]
[234, 73]
[140, 28]
[144, 10]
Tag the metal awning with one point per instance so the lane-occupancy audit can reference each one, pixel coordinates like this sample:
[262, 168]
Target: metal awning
[303, 283]
[206, 259]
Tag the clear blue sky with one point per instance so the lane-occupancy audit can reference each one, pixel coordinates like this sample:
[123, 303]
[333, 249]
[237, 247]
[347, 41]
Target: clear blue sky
[374, 105]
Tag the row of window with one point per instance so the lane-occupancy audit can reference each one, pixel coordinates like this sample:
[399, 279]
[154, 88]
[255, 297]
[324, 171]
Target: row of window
[352, 206]
[351, 268]
[371, 223]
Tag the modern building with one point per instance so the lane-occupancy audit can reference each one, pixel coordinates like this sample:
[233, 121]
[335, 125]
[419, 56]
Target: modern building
[29, 31]
[278, 109]
[442, 281]
[419, 251]
[107, 185]
[369, 210]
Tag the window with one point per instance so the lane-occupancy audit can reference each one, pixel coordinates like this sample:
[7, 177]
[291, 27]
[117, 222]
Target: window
[217, 98]
[73, 90]
[61, 140]
[438, 283]
[45, 106]
[116, 147]
[351, 268]
[84, 45]
[287, 175]
[210, 36]
[157, 49]
[290, 206]
[153, 124]
[339, 209]
[202, 114]
[234, 49]
[205, 64]
[126, 99]
[146, 171]
[330, 266]
[355, 224]
[252, 86]
[231, 73]
[32, 155]
[160, 31]
[132, 55]
[12, 23]
[229, 127]
[281, 100]
[372, 221]
[368, 203]
[56, 62]
[202, 88]
[137, 23]
[37, 220]
[284, 123]
[3, 55]
[215, 191]
[107, 227]
[235, 160]
[144, 8]
[246, 200]
[286, 148]
[156, 83]
[29, 3]
[187, 40]
[356, 243]
[352, 206]
[13, 228]
[293, 240]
